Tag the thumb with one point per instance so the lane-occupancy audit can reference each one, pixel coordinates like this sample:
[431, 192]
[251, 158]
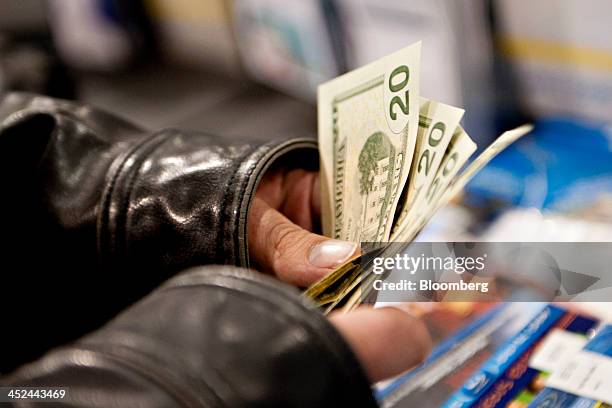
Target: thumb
[400, 343]
[293, 254]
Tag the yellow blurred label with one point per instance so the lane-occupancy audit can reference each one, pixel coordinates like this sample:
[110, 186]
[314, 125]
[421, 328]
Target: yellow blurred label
[554, 52]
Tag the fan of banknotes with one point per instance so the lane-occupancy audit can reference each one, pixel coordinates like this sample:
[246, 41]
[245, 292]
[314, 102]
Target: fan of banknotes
[390, 159]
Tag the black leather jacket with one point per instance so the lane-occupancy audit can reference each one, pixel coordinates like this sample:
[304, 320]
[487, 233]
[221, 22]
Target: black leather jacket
[97, 213]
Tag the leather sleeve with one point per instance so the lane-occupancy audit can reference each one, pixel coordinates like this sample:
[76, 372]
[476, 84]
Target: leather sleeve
[97, 212]
[211, 337]
[170, 198]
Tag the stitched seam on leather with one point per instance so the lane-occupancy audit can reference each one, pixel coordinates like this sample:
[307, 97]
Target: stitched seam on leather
[222, 220]
[103, 219]
[132, 175]
[154, 375]
[237, 232]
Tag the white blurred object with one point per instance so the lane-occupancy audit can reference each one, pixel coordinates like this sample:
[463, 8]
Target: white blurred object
[86, 38]
[561, 54]
[285, 44]
[530, 225]
[295, 45]
[457, 60]
[450, 224]
[380, 27]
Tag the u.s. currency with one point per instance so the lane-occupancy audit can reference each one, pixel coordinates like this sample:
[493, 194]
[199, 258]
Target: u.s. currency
[437, 124]
[459, 150]
[389, 160]
[368, 122]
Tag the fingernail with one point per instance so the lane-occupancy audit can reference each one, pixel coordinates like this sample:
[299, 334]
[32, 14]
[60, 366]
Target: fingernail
[330, 253]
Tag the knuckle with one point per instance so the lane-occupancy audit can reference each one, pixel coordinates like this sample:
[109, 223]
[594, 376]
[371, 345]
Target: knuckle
[288, 241]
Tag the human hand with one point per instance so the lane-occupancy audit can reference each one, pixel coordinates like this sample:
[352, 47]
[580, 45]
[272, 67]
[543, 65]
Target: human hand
[387, 341]
[285, 211]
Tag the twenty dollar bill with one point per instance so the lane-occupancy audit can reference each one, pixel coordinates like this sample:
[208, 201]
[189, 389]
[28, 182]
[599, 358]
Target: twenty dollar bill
[368, 122]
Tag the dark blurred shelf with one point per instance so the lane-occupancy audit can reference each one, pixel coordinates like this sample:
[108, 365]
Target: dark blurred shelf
[159, 97]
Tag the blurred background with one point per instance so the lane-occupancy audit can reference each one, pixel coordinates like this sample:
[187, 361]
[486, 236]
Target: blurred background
[251, 67]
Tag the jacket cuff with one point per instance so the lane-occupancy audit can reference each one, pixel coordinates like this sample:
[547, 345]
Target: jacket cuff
[182, 199]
